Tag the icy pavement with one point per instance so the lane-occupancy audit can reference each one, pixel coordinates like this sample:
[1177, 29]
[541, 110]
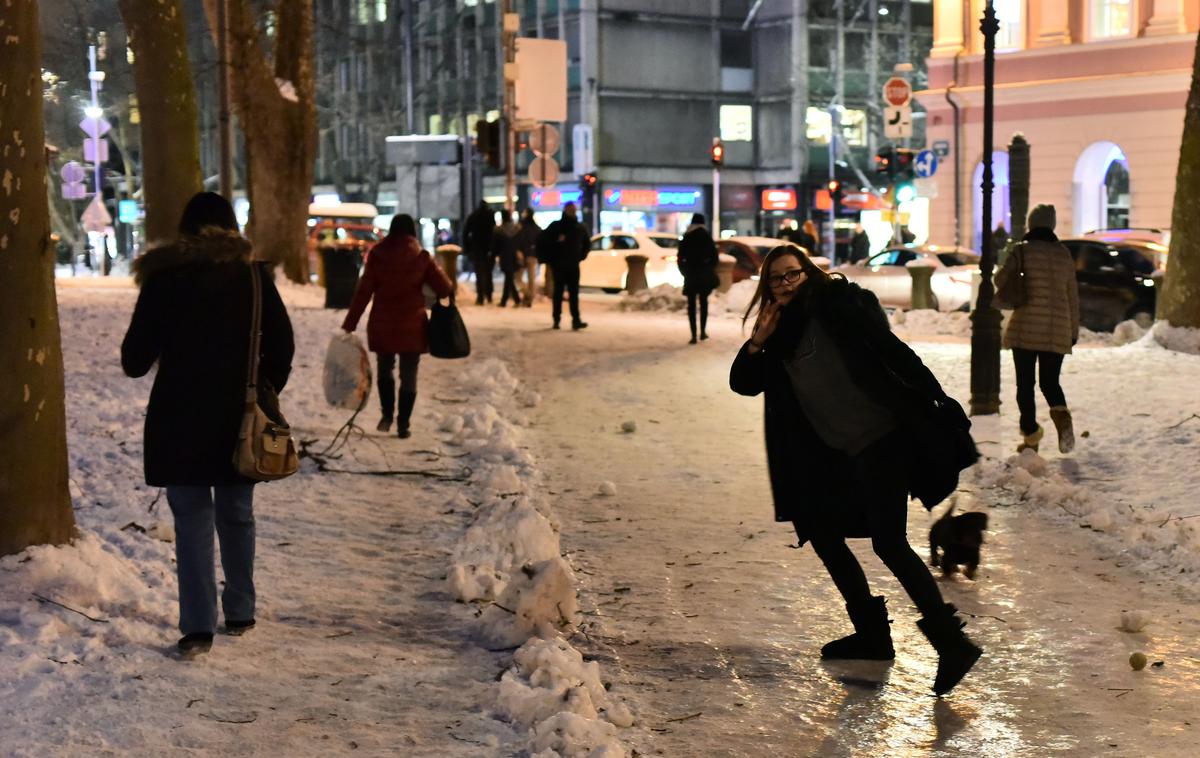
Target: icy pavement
[621, 447]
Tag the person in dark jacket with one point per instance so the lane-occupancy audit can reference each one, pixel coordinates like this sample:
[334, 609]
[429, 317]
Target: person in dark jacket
[860, 245]
[801, 237]
[396, 271]
[527, 236]
[477, 244]
[504, 250]
[193, 318]
[563, 245]
[698, 263]
[846, 416]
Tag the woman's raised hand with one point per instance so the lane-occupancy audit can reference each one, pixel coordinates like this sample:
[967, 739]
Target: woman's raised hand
[764, 327]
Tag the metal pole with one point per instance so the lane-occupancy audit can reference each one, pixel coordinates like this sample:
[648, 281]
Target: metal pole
[98, 165]
[224, 123]
[409, 61]
[985, 321]
[509, 41]
[716, 198]
[835, 122]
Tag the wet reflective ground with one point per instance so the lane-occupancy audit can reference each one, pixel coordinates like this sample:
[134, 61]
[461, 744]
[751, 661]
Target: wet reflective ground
[710, 624]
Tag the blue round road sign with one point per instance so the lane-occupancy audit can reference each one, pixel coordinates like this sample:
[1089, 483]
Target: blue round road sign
[926, 164]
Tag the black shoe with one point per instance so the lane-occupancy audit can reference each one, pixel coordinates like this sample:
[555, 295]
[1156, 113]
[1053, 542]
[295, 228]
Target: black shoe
[703, 335]
[195, 644]
[403, 433]
[577, 325]
[384, 425]
[238, 628]
[956, 653]
[872, 638]
[692, 341]
[556, 326]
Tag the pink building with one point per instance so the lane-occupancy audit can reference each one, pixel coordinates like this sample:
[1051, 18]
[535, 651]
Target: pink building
[1098, 87]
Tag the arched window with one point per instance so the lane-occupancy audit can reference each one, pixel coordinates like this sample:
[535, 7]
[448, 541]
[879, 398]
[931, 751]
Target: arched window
[1101, 189]
[1000, 206]
[1110, 18]
[1116, 186]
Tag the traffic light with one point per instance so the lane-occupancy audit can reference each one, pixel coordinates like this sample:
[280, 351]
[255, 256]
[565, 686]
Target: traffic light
[718, 152]
[885, 162]
[835, 190]
[587, 182]
[903, 164]
[488, 141]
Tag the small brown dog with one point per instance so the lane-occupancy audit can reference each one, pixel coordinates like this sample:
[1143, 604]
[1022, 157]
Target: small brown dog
[959, 538]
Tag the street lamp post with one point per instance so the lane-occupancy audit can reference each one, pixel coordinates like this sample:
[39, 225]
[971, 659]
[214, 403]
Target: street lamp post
[985, 320]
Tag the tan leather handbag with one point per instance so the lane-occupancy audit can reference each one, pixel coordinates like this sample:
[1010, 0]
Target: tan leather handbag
[265, 450]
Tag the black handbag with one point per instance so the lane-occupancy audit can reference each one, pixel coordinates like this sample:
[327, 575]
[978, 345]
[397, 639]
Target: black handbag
[447, 333]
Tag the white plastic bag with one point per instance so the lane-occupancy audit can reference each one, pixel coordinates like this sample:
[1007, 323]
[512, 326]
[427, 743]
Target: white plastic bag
[347, 375]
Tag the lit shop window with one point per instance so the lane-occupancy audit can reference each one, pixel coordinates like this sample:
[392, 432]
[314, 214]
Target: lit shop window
[737, 123]
[854, 126]
[1111, 18]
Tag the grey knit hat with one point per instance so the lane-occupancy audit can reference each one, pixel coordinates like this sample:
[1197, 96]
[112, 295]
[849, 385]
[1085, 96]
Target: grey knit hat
[1042, 216]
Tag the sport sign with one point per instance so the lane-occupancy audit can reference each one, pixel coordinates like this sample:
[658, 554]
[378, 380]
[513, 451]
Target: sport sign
[897, 92]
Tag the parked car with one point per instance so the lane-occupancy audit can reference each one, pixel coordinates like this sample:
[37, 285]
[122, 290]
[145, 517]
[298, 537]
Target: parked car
[1154, 241]
[750, 252]
[605, 265]
[1116, 281]
[886, 274]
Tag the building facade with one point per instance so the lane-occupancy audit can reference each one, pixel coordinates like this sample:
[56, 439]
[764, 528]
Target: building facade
[1097, 87]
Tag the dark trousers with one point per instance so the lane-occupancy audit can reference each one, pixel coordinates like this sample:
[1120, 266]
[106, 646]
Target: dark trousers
[483, 264]
[510, 288]
[692, 298]
[882, 483]
[387, 385]
[569, 281]
[1049, 366]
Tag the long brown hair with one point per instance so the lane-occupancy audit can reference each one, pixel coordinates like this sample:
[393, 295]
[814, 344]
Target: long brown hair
[763, 295]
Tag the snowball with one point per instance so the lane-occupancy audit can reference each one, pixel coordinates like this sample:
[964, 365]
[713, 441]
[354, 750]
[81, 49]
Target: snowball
[629, 427]
[529, 399]
[608, 489]
[1137, 661]
[1134, 621]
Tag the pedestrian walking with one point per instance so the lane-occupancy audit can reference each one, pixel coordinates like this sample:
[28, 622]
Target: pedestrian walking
[193, 318]
[847, 409]
[1042, 330]
[477, 244]
[563, 245]
[396, 271]
[697, 262]
[504, 251]
[527, 236]
[812, 240]
[860, 245]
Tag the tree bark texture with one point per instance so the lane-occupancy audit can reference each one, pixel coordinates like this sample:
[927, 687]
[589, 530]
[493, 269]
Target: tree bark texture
[1179, 300]
[167, 105]
[35, 503]
[274, 97]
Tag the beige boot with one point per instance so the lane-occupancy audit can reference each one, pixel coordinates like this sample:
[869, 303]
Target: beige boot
[1030, 441]
[1066, 430]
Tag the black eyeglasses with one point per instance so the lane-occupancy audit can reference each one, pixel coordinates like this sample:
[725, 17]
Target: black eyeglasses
[791, 277]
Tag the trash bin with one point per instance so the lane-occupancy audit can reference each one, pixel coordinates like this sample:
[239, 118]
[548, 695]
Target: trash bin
[448, 260]
[922, 288]
[635, 280]
[341, 275]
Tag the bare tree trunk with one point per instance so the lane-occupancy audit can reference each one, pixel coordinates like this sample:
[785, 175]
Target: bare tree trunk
[167, 104]
[1179, 301]
[276, 107]
[35, 503]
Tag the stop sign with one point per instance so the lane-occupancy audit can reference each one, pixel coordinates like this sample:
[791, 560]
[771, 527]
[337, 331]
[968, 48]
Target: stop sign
[897, 92]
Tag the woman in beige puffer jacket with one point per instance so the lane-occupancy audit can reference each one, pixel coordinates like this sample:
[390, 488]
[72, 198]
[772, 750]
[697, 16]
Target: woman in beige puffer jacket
[1044, 329]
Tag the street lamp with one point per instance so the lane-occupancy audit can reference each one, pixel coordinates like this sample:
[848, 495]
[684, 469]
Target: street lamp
[985, 320]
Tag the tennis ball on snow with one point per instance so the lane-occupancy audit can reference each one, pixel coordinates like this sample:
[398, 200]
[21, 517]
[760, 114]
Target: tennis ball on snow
[1137, 661]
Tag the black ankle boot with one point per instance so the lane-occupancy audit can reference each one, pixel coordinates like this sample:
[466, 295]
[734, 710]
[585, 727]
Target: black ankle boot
[407, 401]
[872, 638]
[956, 653]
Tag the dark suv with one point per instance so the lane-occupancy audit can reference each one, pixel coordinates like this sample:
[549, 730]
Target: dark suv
[1116, 282]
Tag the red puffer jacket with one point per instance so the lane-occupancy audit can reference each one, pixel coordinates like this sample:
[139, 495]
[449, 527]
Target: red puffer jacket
[396, 269]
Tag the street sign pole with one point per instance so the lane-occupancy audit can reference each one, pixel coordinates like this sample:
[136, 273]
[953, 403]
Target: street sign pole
[94, 78]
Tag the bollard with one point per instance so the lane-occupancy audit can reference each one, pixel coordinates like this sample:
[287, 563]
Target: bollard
[725, 272]
[635, 280]
[922, 288]
[448, 259]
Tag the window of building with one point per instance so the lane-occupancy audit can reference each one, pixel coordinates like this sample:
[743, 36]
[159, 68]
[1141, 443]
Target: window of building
[1110, 18]
[737, 123]
[344, 75]
[853, 121]
[735, 49]
[1011, 35]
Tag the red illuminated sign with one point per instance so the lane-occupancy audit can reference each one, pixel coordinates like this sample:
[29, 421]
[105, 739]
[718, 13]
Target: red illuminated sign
[779, 200]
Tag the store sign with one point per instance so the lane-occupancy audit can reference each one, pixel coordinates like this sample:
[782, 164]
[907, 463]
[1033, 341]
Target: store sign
[552, 199]
[779, 200]
[664, 198]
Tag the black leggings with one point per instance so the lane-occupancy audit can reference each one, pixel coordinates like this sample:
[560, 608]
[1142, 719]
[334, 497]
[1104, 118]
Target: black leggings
[1049, 366]
[703, 298]
[387, 385]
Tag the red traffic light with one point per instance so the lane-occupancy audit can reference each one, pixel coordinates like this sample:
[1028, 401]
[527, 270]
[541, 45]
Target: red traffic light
[718, 153]
[834, 185]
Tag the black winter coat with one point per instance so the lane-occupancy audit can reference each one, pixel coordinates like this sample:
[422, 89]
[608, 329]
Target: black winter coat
[478, 231]
[804, 472]
[698, 262]
[193, 318]
[563, 245]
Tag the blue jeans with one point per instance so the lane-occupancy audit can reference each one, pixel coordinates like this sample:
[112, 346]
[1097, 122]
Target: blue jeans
[197, 510]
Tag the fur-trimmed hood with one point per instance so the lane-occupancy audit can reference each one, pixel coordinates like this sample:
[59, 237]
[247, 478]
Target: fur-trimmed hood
[212, 245]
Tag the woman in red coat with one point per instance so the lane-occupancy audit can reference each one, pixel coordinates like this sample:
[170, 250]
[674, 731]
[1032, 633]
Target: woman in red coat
[396, 270]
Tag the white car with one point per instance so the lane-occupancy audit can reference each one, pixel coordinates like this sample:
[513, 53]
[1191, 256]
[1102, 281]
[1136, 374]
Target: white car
[605, 265]
[886, 274]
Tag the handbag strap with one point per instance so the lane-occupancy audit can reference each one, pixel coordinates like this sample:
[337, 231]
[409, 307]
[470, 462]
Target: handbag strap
[255, 334]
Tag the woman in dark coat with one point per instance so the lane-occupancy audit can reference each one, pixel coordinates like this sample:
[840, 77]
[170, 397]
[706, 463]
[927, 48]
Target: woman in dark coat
[396, 270]
[193, 318]
[847, 416]
[504, 250]
[698, 264]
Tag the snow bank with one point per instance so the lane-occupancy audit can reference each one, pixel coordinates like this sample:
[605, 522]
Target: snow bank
[664, 297]
[508, 560]
[1178, 338]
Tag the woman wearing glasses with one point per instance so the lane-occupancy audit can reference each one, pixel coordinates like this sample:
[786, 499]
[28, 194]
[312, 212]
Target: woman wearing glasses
[845, 402]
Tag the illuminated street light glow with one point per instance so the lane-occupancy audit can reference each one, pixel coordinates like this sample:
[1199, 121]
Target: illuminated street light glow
[93, 112]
